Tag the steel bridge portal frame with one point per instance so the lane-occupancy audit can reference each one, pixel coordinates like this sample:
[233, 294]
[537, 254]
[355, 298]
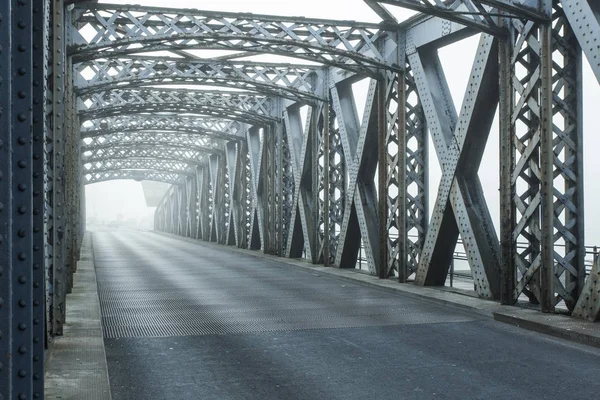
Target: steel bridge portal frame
[278, 157]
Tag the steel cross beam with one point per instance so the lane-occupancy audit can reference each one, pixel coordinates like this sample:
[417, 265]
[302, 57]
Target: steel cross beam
[128, 29]
[135, 123]
[295, 82]
[186, 140]
[460, 141]
[123, 102]
[143, 149]
[483, 15]
[139, 164]
[96, 176]
[360, 143]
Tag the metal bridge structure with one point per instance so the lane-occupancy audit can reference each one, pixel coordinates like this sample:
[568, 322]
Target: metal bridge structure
[276, 156]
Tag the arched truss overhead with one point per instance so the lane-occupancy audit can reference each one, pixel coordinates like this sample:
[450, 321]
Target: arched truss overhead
[231, 106]
[101, 104]
[146, 175]
[191, 156]
[140, 165]
[119, 30]
[211, 127]
[295, 82]
[158, 138]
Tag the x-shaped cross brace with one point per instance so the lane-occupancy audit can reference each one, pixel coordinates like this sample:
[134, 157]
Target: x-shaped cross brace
[359, 141]
[459, 142]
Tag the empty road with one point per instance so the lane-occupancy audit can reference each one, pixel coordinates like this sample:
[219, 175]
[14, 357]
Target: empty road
[186, 321]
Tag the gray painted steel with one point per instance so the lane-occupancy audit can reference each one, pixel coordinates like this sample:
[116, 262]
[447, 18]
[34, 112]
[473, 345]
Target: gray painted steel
[288, 163]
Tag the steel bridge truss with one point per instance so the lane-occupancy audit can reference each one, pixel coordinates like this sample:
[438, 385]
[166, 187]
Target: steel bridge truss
[315, 159]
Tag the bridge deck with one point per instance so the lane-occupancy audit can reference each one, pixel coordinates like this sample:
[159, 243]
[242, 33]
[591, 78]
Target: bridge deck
[184, 321]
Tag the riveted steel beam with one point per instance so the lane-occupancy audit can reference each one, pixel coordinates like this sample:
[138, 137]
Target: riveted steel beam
[345, 44]
[159, 138]
[244, 107]
[292, 81]
[17, 325]
[483, 15]
[167, 124]
[460, 141]
[359, 140]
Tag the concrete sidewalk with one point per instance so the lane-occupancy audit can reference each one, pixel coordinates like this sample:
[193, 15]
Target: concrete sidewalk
[556, 325]
[76, 364]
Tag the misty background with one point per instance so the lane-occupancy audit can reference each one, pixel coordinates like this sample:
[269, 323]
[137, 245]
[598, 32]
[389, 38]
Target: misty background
[124, 200]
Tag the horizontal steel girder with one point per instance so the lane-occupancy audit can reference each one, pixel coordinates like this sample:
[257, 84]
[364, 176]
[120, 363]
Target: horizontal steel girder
[295, 82]
[194, 155]
[212, 127]
[130, 29]
[248, 106]
[482, 15]
[139, 164]
[187, 140]
[147, 175]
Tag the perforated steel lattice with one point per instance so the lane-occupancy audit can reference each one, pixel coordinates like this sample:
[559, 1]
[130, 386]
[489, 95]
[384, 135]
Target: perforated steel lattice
[156, 286]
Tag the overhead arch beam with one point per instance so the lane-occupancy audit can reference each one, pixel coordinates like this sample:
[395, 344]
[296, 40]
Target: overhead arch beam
[133, 152]
[157, 137]
[213, 127]
[148, 175]
[122, 98]
[140, 164]
[121, 30]
[295, 82]
[211, 111]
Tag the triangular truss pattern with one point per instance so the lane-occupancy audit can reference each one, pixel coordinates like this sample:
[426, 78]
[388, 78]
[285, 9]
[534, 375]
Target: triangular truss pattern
[282, 157]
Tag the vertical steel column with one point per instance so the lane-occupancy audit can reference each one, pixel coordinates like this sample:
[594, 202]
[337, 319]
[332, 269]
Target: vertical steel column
[413, 177]
[255, 152]
[323, 193]
[507, 166]
[17, 325]
[40, 27]
[567, 143]
[544, 202]
[58, 269]
[191, 199]
[202, 187]
[216, 184]
[383, 173]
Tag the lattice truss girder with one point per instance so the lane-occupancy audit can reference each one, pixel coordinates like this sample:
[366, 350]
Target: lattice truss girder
[240, 106]
[136, 168]
[543, 198]
[175, 124]
[184, 140]
[118, 30]
[296, 82]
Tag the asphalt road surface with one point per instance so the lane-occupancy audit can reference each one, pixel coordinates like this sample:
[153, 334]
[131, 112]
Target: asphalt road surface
[185, 321]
